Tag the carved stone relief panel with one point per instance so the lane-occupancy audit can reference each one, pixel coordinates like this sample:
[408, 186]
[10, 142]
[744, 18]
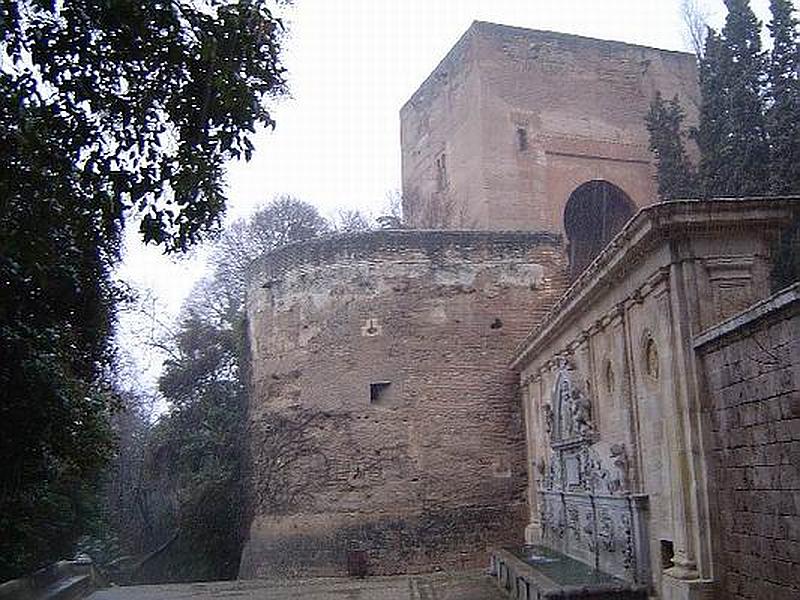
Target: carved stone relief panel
[608, 533]
[569, 416]
[585, 502]
[573, 472]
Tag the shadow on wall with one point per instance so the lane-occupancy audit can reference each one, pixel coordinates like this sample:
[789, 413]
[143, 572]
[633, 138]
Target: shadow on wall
[595, 212]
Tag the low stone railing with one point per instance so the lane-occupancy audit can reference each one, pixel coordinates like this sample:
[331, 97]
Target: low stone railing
[63, 580]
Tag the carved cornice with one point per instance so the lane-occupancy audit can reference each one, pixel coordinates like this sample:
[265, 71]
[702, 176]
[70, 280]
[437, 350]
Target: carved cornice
[649, 226]
[657, 283]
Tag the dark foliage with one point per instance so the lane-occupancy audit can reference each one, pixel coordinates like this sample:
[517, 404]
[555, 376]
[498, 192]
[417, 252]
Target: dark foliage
[196, 450]
[732, 133]
[783, 125]
[786, 267]
[188, 502]
[120, 504]
[107, 110]
[749, 129]
[783, 112]
[676, 174]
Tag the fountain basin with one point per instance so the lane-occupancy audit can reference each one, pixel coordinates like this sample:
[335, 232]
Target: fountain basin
[540, 573]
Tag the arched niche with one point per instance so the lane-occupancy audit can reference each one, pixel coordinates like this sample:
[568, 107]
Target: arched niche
[595, 212]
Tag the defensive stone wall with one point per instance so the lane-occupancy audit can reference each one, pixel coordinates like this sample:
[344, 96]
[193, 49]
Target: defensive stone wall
[385, 421]
[513, 121]
[751, 365]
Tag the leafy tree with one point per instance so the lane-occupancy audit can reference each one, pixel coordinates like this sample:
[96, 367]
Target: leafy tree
[196, 451]
[710, 134]
[676, 174]
[732, 132]
[191, 491]
[749, 129]
[108, 110]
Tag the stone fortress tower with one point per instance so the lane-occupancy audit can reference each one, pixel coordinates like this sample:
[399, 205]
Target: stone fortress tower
[387, 422]
[522, 129]
[384, 418]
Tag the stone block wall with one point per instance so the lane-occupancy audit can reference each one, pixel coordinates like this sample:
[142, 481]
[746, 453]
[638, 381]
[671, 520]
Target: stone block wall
[752, 369]
[384, 416]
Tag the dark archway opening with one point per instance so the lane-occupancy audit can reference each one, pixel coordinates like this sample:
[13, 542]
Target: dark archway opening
[595, 212]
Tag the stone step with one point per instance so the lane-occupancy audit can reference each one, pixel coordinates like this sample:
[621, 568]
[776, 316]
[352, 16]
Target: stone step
[469, 585]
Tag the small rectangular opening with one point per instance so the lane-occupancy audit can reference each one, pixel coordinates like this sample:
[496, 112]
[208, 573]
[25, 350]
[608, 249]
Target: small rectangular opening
[378, 391]
[522, 139]
[357, 562]
[441, 173]
[667, 554]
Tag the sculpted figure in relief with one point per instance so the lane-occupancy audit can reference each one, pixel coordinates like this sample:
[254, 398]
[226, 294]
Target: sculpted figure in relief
[619, 458]
[581, 413]
[566, 424]
[548, 420]
[570, 413]
[604, 476]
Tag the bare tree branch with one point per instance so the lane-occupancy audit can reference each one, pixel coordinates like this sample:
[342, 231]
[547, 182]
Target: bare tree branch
[695, 22]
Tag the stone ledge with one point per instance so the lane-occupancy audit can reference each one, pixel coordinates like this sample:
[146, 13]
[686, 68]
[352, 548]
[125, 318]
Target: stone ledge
[63, 580]
[651, 224]
[365, 245]
[786, 300]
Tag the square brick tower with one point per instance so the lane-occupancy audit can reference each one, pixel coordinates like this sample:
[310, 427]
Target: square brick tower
[513, 122]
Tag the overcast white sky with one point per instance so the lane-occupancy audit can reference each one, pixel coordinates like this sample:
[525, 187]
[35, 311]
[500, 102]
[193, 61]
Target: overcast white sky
[351, 66]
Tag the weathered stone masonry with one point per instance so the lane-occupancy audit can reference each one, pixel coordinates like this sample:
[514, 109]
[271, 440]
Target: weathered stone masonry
[752, 372]
[381, 384]
[513, 121]
[385, 418]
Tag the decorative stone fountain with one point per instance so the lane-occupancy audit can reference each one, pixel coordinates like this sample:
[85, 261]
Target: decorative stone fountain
[593, 529]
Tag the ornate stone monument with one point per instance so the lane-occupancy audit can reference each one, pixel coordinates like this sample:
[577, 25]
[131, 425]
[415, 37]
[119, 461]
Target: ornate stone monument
[586, 508]
[616, 408]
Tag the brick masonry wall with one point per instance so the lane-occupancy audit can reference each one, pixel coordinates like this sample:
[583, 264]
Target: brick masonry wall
[579, 103]
[752, 371]
[430, 473]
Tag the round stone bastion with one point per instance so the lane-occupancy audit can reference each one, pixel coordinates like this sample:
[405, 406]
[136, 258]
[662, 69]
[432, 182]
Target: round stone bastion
[385, 425]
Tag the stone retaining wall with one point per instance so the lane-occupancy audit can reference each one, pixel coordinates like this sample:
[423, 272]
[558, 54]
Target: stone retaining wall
[752, 369]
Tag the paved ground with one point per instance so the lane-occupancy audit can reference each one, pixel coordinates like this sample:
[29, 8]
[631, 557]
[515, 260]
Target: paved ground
[435, 586]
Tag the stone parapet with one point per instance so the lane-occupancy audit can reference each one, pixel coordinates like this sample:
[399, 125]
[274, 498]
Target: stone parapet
[368, 245]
